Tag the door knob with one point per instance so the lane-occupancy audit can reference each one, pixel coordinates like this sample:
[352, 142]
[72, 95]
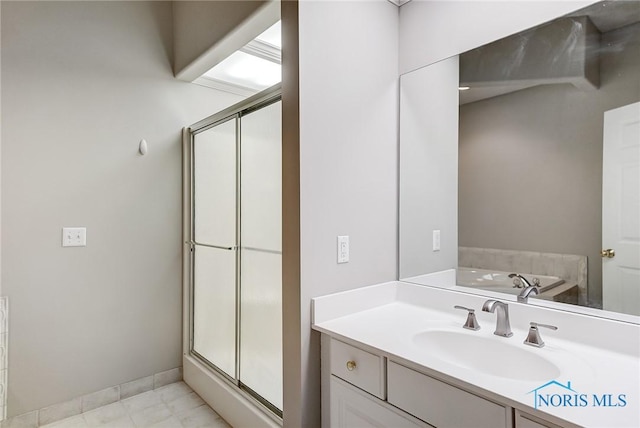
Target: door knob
[608, 253]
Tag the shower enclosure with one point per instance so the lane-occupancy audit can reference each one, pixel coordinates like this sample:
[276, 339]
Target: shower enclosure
[233, 289]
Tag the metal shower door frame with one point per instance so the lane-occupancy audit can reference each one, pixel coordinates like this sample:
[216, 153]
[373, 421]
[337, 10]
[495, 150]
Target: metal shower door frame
[235, 112]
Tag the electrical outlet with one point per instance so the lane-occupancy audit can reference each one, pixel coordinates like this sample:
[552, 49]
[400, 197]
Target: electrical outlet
[343, 249]
[74, 236]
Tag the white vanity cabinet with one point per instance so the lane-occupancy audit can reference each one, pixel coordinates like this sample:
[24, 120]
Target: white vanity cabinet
[356, 383]
[396, 355]
[369, 390]
[353, 408]
[441, 404]
[362, 389]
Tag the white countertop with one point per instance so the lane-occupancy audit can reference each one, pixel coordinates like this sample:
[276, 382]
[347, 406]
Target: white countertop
[604, 359]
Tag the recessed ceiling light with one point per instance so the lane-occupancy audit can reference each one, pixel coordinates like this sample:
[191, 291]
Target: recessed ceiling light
[464, 88]
[254, 67]
[246, 70]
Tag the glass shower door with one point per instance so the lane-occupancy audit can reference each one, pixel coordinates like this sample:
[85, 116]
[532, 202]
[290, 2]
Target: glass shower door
[215, 246]
[235, 236]
[261, 253]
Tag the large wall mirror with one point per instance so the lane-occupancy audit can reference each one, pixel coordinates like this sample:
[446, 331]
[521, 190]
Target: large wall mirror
[548, 164]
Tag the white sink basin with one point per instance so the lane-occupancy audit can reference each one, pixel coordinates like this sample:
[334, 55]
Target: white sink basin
[492, 356]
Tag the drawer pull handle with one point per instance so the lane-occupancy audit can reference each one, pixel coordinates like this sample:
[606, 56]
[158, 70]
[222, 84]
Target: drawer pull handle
[351, 365]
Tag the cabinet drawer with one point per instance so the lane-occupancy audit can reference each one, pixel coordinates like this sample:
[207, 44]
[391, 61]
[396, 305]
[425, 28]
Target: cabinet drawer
[360, 368]
[351, 407]
[441, 404]
[524, 420]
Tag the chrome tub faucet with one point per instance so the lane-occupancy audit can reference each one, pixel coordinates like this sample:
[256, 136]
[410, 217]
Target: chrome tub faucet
[521, 278]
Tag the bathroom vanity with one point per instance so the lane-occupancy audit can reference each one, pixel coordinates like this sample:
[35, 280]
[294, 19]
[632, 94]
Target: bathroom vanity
[397, 355]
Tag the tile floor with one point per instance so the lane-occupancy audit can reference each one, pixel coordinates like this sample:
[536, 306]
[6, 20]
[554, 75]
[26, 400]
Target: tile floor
[172, 406]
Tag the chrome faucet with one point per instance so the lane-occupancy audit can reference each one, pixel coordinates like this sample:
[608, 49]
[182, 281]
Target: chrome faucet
[521, 278]
[502, 324]
[523, 297]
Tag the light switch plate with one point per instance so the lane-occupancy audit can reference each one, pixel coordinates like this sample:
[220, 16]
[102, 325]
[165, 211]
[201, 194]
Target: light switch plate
[74, 236]
[343, 249]
[436, 240]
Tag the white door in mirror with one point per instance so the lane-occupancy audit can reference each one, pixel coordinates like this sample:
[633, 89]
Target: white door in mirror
[621, 210]
[74, 236]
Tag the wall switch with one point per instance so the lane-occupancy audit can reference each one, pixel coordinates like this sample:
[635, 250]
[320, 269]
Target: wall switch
[343, 249]
[436, 240]
[74, 236]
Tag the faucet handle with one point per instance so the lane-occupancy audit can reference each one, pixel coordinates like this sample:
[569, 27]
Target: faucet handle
[472, 322]
[533, 338]
[535, 324]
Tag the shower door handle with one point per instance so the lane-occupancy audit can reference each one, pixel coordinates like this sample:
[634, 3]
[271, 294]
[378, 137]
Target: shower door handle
[219, 247]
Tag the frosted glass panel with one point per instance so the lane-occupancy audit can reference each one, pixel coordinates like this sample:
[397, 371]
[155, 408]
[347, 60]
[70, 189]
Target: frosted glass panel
[215, 185]
[246, 345]
[261, 160]
[214, 311]
[261, 277]
[261, 324]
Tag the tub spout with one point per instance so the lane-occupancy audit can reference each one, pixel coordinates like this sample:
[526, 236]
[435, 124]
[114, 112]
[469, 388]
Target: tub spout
[521, 278]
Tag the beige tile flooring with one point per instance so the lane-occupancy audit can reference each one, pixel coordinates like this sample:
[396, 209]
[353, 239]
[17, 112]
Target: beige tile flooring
[172, 406]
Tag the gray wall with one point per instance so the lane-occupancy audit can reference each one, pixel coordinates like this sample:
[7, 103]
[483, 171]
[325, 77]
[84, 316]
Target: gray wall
[531, 162]
[82, 83]
[428, 165]
[348, 161]
[198, 25]
[207, 32]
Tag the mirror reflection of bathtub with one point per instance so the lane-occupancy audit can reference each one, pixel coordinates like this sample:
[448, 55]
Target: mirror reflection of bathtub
[550, 287]
[572, 269]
